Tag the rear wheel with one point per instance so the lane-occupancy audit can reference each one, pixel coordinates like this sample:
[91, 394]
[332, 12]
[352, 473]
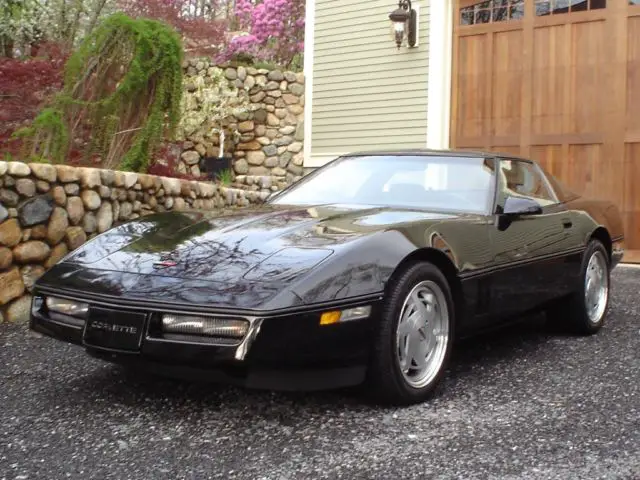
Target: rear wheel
[585, 310]
[413, 342]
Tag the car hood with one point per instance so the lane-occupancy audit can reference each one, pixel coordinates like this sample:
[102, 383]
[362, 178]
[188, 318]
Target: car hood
[259, 259]
[260, 244]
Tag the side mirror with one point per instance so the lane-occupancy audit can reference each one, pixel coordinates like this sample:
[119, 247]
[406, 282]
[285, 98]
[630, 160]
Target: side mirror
[521, 206]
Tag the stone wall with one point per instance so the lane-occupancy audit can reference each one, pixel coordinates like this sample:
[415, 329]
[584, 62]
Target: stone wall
[46, 211]
[270, 133]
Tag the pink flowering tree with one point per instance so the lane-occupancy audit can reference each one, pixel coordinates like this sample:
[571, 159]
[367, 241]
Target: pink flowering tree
[273, 31]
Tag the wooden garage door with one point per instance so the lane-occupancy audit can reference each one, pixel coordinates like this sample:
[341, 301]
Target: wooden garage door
[558, 81]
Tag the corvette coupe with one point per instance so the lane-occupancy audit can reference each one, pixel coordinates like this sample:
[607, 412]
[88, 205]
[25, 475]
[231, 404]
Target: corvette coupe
[364, 272]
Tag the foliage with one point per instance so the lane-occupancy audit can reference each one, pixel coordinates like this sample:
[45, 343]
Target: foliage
[225, 177]
[120, 87]
[25, 86]
[201, 23]
[19, 24]
[273, 32]
[210, 103]
[26, 23]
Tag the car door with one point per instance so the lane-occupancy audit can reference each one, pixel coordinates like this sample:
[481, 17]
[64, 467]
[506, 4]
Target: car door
[529, 249]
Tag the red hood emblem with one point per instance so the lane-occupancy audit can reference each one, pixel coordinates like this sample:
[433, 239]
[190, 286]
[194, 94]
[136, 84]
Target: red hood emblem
[165, 264]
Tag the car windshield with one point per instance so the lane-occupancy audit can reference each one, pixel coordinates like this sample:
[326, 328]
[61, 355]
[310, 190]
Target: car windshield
[448, 183]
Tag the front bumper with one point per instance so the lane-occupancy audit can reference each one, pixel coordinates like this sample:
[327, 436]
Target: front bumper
[289, 351]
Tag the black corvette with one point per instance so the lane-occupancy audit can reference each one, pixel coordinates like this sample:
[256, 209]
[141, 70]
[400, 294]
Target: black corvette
[363, 272]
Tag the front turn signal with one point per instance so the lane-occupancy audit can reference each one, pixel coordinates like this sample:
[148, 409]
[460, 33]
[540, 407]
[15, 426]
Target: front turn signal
[341, 316]
[329, 318]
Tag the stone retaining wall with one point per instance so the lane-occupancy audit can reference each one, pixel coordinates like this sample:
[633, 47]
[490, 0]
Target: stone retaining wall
[270, 133]
[47, 211]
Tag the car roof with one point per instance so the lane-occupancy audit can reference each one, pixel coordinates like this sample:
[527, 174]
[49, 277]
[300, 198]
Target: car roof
[435, 152]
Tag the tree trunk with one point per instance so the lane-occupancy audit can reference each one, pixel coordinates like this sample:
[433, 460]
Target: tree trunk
[7, 46]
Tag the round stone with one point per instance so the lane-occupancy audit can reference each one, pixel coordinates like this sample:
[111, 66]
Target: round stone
[32, 251]
[104, 217]
[295, 147]
[72, 189]
[241, 166]
[4, 213]
[18, 169]
[35, 210]
[104, 191]
[89, 224]
[126, 209]
[39, 232]
[90, 177]
[269, 151]
[57, 253]
[256, 158]
[296, 89]
[59, 195]
[74, 237]
[290, 99]
[91, 199]
[18, 311]
[43, 186]
[44, 171]
[191, 157]
[9, 197]
[31, 273]
[11, 285]
[57, 227]
[249, 83]
[275, 75]
[6, 258]
[26, 187]
[67, 174]
[75, 209]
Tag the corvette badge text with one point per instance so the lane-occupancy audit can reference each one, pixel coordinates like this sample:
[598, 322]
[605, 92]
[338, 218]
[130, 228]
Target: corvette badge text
[112, 327]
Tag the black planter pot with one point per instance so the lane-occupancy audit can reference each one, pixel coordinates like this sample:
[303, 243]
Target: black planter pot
[213, 165]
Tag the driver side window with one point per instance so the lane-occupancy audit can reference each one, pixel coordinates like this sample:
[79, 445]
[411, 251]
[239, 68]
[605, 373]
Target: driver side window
[522, 179]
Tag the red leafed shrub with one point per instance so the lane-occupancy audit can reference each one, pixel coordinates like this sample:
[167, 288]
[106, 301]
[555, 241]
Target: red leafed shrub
[171, 154]
[25, 87]
[202, 31]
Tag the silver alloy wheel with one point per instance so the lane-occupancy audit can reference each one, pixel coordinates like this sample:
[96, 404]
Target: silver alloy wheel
[596, 287]
[422, 334]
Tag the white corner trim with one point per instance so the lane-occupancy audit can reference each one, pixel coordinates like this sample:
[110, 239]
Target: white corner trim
[309, 42]
[440, 60]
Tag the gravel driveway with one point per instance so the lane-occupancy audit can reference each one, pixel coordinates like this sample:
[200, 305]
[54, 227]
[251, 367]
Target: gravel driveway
[522, 404]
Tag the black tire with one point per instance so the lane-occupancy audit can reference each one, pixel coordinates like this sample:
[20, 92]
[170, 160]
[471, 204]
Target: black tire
[385, 380]
[571, 313]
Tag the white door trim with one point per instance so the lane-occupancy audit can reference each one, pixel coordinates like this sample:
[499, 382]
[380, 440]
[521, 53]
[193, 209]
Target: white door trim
[309, 42]
[440, 61]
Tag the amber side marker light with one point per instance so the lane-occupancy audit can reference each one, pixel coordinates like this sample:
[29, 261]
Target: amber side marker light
[340, 316]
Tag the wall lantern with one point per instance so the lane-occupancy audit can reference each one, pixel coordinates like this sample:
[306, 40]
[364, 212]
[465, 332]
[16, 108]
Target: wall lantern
[405, 19]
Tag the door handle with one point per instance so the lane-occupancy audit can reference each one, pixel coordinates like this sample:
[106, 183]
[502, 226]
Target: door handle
[566, 223]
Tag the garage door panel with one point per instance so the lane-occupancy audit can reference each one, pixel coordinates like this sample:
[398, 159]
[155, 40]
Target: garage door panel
[472, 81]
[549, 76]
[588, 77]
[506, 109]
[549, 156]
[633, 75]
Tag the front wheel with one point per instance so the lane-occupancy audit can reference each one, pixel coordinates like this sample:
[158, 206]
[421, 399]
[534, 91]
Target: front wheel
[585, 310]
[413, 342]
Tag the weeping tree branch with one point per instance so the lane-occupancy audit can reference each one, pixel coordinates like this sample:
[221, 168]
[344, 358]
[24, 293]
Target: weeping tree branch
[121, 85]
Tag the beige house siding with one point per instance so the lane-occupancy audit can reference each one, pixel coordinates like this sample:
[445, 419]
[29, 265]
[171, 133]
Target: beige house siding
[366, 94]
